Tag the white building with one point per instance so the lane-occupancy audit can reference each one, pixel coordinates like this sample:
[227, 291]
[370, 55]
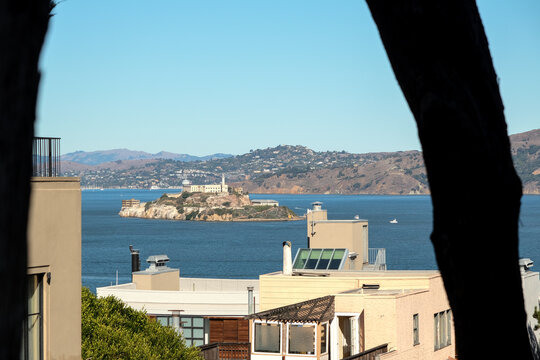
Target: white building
[208, 188]
[204, 310]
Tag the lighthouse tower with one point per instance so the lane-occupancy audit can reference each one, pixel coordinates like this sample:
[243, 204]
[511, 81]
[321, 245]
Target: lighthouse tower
[224, 188]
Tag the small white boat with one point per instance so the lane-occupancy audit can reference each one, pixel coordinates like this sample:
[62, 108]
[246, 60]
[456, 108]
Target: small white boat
[393, 221]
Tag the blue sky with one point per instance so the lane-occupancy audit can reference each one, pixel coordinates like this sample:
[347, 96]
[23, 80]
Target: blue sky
[207, 76]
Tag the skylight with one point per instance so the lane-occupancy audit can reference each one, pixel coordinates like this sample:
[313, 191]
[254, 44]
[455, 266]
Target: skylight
[320, 259]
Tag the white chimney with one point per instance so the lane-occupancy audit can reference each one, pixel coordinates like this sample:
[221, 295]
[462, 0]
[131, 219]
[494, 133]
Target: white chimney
[287, 259]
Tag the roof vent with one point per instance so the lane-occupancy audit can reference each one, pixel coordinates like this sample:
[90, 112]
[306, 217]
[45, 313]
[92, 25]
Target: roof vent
[370, 286]
[316, 206]
[157, 262]
[525, 264]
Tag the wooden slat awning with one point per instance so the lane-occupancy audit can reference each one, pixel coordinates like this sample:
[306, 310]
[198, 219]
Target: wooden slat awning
[316, 310]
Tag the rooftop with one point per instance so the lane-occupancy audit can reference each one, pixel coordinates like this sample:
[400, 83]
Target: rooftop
[388, 274]
[339, 221]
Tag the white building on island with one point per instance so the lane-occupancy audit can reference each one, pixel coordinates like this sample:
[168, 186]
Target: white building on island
[208, 188]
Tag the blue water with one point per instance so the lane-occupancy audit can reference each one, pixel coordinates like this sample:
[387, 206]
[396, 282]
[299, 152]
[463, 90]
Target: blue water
[245, 250]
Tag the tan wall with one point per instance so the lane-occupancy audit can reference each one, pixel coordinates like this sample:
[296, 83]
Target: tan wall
[386, 318]
[323, 233]
[315, 215]
[425, 304]
[54, 245]
[167, 280]
[279, 290]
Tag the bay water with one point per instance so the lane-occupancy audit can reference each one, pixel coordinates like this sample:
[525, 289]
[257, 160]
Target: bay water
[248, 249]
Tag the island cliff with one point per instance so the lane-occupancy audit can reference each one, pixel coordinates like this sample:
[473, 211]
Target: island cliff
[207, 207]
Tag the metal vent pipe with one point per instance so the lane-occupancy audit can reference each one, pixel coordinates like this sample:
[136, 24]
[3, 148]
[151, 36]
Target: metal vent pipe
[287, 258]
[135, 261]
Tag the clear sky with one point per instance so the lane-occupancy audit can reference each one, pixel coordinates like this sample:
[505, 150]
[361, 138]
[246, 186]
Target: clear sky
[207, 76]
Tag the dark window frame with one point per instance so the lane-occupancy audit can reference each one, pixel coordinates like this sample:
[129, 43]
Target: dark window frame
[183, 325]
[416, 330]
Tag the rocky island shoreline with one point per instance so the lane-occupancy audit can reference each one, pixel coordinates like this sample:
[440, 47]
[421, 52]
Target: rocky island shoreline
[207, 207]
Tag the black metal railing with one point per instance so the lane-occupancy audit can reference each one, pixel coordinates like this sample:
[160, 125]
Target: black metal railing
[370, 354]
[46, 157]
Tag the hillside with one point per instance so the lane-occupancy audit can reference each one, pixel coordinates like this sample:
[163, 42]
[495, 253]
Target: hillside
[298, 169]
[526, 154]
[106, 156]
[397, 173]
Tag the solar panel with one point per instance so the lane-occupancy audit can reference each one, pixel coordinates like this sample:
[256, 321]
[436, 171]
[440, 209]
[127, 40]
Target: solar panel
[320, 259]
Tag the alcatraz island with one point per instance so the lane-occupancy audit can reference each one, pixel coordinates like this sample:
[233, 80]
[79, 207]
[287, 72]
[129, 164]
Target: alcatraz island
[209, 202]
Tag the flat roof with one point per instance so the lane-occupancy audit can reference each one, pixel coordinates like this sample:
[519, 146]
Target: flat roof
[55, 179]
[361, 274]
[158, 270]
[379, 292]
[339, 221]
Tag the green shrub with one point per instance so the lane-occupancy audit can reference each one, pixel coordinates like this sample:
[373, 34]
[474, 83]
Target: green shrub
[192, 215]
[186, 194]
[221, 212]
[112, 330]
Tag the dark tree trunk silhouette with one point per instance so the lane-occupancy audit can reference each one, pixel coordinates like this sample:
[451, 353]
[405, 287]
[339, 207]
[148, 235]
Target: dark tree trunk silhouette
[23, 24]
[440, 56]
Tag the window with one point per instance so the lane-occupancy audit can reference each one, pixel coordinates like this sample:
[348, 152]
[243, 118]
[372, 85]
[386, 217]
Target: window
[302, 339]
[33, 325]
[164, 320]
[416, 335]
[449, 327]
[442, 329]
[324, 339]
[192, 328]
[267, 337]
[320, 259]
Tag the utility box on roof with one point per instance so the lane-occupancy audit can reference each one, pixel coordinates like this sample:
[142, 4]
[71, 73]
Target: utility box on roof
[158, 276]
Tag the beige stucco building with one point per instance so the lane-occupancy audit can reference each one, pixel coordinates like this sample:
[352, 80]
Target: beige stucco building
[335, 300]
[405, 310]
[54, 270]
[349, 237]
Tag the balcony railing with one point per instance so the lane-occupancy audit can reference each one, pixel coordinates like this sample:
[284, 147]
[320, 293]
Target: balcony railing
[376, 259]
[226, 351]
[46, 157]
[370, 354]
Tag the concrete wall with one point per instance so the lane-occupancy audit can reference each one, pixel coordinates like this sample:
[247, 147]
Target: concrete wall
[531, 292]
[203, 303]
[54, 246]
[204, 284]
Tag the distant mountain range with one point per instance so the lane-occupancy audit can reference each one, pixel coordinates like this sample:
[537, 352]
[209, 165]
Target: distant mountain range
[286, 169]
[104, 156]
